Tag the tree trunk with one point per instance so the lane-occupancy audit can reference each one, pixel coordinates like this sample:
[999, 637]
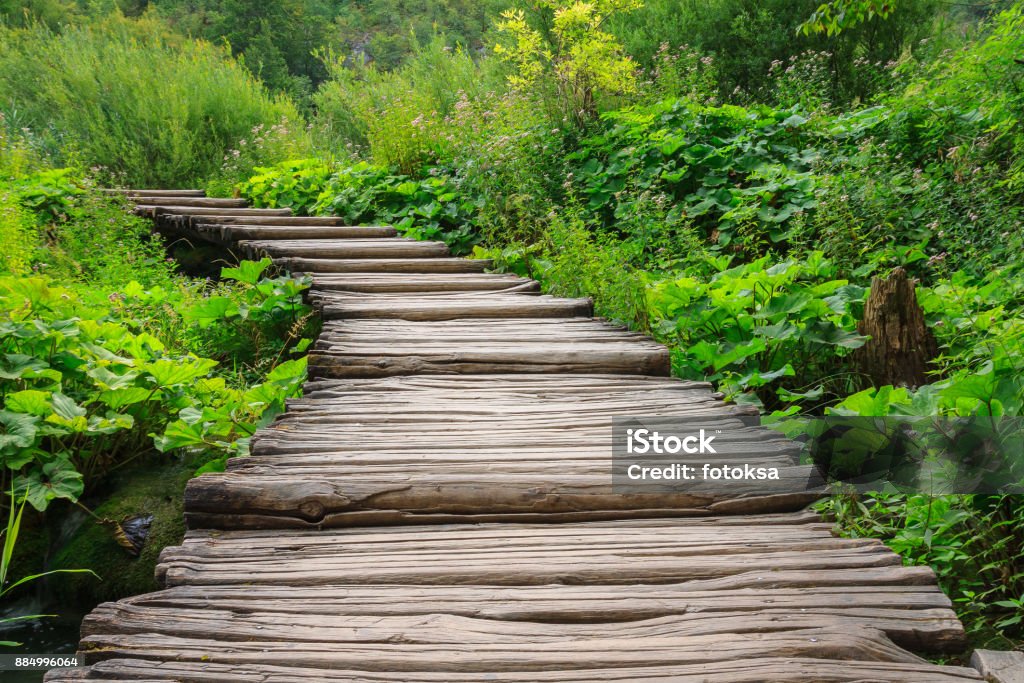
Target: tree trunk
[901, 346]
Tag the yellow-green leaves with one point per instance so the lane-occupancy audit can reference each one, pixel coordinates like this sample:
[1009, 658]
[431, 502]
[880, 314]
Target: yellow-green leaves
[585, 60]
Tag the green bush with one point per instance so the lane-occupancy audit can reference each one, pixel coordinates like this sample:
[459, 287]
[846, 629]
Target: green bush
[86, 385]
[781, 331]
[430, 208]
[147, 107]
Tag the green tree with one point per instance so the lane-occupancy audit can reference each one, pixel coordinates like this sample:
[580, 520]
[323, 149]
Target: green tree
[836, 15]
[571, 44]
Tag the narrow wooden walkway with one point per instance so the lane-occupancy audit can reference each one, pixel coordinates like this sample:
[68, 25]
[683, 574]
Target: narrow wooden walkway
[438, 507]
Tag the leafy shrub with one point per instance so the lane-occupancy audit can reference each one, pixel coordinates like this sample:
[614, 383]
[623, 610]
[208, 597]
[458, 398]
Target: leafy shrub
[17, 235]
[250, 318]
[431, 208]
[779, 330]
[972, 542]
[577, 263]
[292, 184]
[49, 194]
[85, 386]
[725, 168]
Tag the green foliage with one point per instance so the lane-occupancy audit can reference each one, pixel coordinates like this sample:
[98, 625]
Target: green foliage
[10, 538]
[431, 208]
[388, 33]
[746, 38]
[586, 60]
[94, 98]
[739, 174]
[838, 15]
[17, 235]
[399, 117]
[780, 331]
[575, 262]
[295, 185]
[84, 387]
[972, 543]
[48, 194]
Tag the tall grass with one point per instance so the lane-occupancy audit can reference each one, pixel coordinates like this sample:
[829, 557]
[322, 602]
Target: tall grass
[148, 107]
[397, 118]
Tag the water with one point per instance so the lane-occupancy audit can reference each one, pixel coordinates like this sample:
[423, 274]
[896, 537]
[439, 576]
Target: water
[57, 636]
[52, 636]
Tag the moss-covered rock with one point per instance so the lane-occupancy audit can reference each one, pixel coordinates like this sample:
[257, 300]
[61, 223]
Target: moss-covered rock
[149, 490]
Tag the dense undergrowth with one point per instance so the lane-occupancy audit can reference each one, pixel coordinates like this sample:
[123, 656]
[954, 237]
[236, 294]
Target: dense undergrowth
[113, 363]
[707, 172]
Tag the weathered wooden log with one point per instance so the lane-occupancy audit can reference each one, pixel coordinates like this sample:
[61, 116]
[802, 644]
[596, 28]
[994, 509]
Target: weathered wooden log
[153, 211]
[450, 306]
[999, 667]
[155, 193]
[384, 265]
[276, 220]
[294, 232]
[901, 345]
[748, 670]
[394, 248]
[422, 282]
[179, 200]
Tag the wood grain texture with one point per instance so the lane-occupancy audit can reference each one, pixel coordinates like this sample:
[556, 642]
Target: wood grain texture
[152, 210]
[190, 201]
[383, 283]
[999, 667]
[394, 248]
[383, 265]
[228, 233]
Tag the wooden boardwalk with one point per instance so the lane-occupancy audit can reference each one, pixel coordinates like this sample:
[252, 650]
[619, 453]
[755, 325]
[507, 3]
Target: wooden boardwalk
[438, 507]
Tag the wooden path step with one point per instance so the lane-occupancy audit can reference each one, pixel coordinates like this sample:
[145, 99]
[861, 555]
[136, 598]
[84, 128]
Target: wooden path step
[527, 448]
[438, 507]
[382, 348]
[599, 601]
[449, 306]
[384, 265]
[394, 248]
[752, 670]
[154, 193]
[180, 201]
[281, 218]
[153, 210]
[226, 232]
[382, 283]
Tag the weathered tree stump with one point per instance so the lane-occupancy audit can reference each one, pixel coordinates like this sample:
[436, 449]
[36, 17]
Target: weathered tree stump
[901, 345]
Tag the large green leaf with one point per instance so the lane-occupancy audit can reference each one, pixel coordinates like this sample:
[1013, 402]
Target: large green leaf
[247, 272]
[168, 373]
[29, 401]
[17, 430]
[55, 479]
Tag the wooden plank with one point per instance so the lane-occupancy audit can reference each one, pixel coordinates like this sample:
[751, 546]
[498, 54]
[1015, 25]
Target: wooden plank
[394, 248]
[381, 283]
[751, 670]
[614, 552]
[273, 220]
[180, 200]
[155, 193]
[999, 667]
[228, 232]
[450, 306]
[177, 210]
[384, 265]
